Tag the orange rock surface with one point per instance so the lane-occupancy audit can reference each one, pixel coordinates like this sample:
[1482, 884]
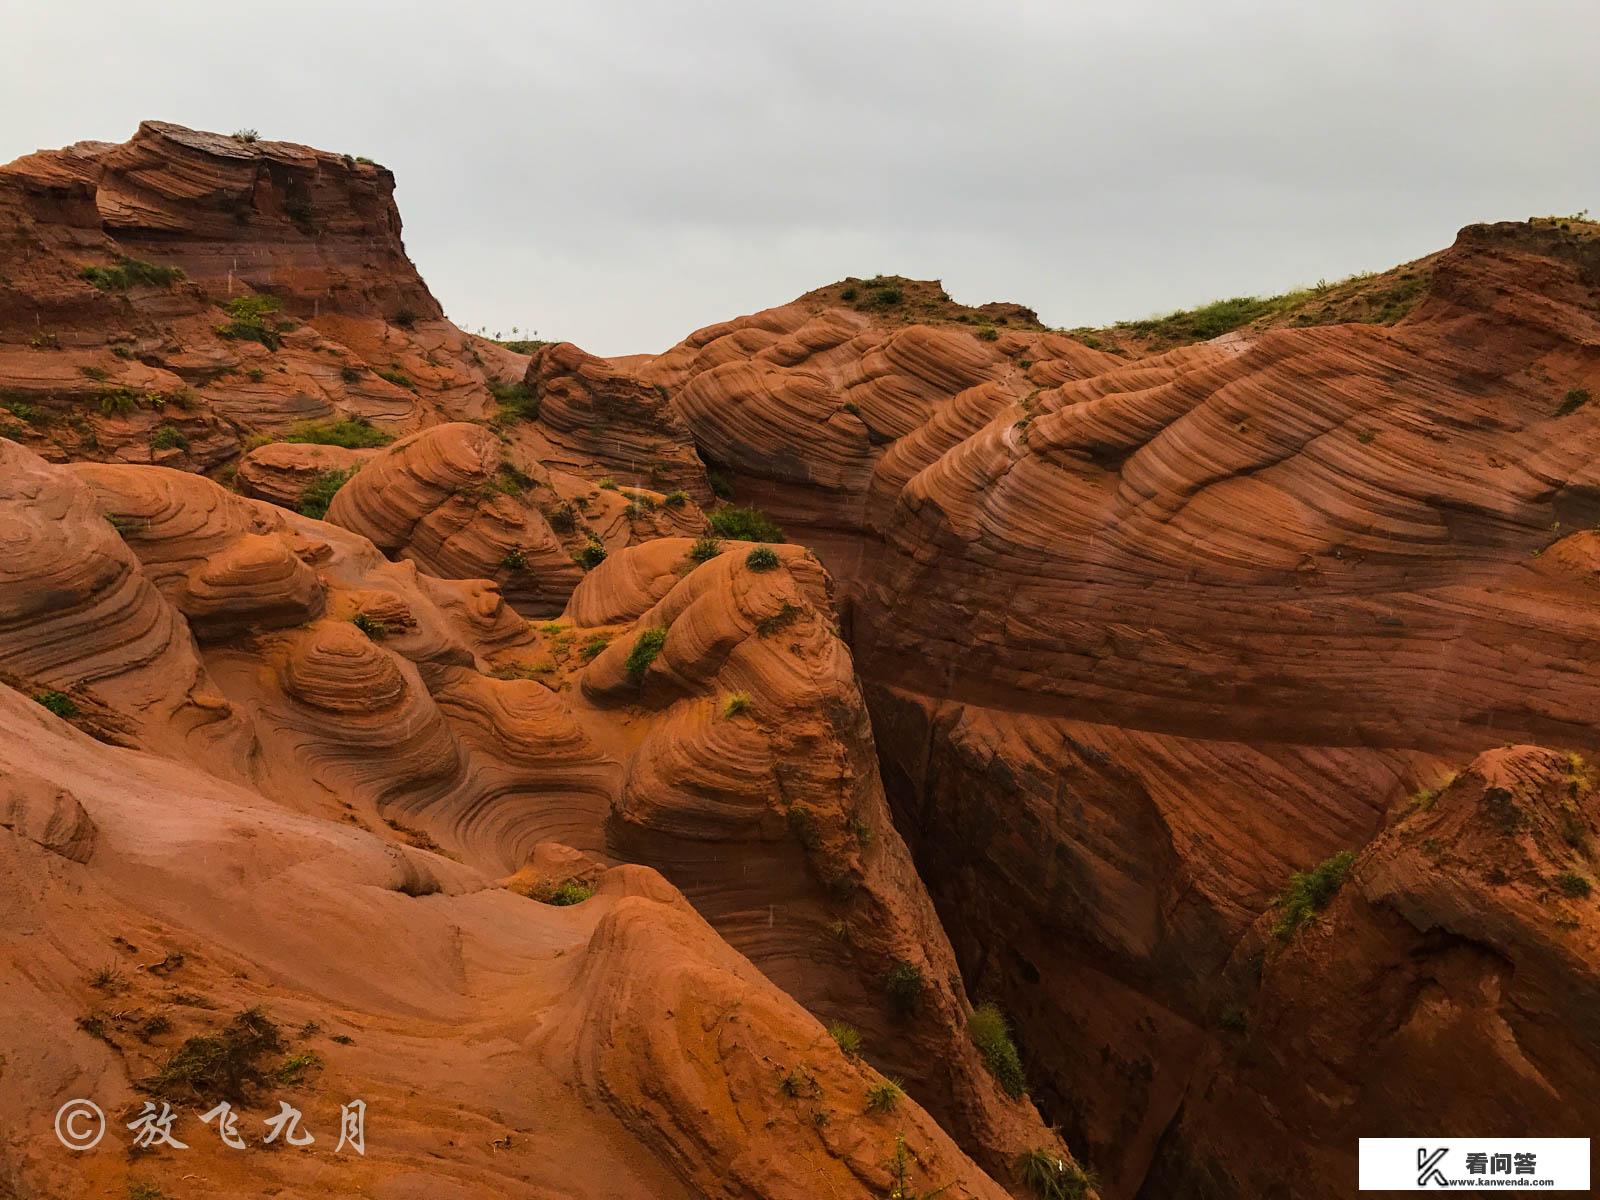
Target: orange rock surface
[399, 685]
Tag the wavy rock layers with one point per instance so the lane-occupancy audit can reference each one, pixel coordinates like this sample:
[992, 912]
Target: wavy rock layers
[119, 336]
[1146, 636]
[608, 417]
[445, 499]
[207, 876]
[727, 1078]
[752, 785]
[798, 402]
[78, 617]
[1462, 947]
[283, 218]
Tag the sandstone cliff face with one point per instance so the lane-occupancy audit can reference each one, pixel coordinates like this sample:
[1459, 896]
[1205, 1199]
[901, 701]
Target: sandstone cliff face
[1089, 642]
[1140, 638]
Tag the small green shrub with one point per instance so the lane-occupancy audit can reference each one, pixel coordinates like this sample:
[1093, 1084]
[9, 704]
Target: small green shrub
[250, 319]
[514, 402]
[319, 493]
[675, 499]
[405, 318]
[745, 524]
[802, 826]
[561, 518]
[514, 559]
[395, 376]
[57, 702]
[294, 1068]
[168, 437]
[130, 272]
[884, 1097]
[721, 486]
[645, 648]
[847, 1036]
[1310, 891]
[1051, 1177]
[246, 135]
[371, 626]
[1572, 401]
[903, 984]
[353, 433]
[590, 650]
[987, 1028]
[848, 294]
[564, 894]
[119, 401]
[734, 704]
[226, 1065]
[591, 556]
[1573, 885]
[705, 549]
[350, 374]
[886, 297]
[989, 333]
[761, 559]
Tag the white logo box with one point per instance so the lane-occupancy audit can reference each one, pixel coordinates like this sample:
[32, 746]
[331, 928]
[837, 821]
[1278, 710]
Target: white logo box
[1437, 1164]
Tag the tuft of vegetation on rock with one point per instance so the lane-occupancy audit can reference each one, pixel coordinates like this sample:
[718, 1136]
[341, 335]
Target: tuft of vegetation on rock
[227, 1065]
[131, 272]
[1310, 891]
[847, 1037]
[514, 402]
[352, 433]
[705, 549]
[645, 648]
[761, 559]
[904, 984]
[1575, 399]
[884, 1097]
[57, 702]
[319, 493]
[250, 319]
[745, 524]
[987, 1028]
[1050, 1177]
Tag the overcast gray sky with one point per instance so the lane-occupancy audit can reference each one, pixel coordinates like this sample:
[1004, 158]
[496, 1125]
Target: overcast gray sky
[619, 173]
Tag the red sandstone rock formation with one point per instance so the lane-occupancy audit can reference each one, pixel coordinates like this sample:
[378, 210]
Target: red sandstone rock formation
[1099, 638]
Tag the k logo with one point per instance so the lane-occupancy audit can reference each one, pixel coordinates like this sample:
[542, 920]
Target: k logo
[1428, 1167]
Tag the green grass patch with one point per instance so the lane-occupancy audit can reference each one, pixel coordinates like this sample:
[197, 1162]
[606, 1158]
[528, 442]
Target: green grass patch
[1050, 1177]
[226, 1065]
[1575, 399]
[1573, 886]
[371, 626]
[57, 702]
[645, 648]
[847, 1037]
[168, 437]
[251, 319]
[352, 433]
[514, 402]
[745, 524]
[987, 1028]
[131, 272]
[884, 1097]
[1310, 891]
[761, 559]
[903, 983]
[319, 493]
[705, 549]
[734, 704]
